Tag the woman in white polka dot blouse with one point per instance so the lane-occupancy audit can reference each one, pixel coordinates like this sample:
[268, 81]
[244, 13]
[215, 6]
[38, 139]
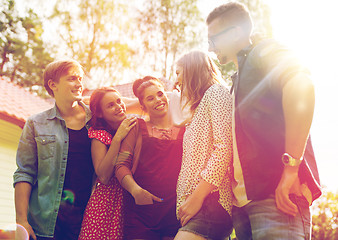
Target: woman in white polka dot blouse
[204, 196]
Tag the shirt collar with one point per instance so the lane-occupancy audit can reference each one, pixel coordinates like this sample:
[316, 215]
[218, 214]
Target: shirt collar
[55, 113]
[244, 52]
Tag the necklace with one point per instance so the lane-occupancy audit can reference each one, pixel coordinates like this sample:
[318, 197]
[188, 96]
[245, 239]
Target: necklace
[164, 133]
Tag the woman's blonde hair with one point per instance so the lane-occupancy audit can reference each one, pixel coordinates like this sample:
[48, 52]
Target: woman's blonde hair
[199, 73]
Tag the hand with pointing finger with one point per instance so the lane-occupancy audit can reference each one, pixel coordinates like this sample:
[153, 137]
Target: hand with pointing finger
[143, 197]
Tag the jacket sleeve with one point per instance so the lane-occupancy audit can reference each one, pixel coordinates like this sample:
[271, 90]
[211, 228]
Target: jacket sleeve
[26, 156]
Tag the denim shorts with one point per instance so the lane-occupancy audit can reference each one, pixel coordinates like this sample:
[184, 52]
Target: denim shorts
[212, 221]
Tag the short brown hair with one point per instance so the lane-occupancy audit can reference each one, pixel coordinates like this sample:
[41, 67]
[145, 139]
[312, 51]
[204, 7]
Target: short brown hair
[232, 13]
[55, 70]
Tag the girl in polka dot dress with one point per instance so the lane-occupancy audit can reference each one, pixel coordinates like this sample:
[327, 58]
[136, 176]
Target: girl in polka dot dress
[103, 215]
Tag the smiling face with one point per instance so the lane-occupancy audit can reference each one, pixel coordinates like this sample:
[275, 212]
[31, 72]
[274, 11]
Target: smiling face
[155, 101]
[229, 30]
[113, 109]
[69, 87]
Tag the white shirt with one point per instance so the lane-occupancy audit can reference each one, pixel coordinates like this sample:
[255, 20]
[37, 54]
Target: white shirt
[238, 187]
[178, 114]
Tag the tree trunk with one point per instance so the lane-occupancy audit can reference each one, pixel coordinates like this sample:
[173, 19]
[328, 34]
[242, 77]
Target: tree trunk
[4, 58]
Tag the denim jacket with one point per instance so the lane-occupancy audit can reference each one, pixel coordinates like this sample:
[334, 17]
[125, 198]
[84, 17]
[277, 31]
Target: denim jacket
[41, 161]
[259, 119]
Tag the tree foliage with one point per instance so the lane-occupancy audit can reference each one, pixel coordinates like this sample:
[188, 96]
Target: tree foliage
[168, 28]
[260, 14]
[110, 38]
[325, 217]
[96, 33]
[23, 55]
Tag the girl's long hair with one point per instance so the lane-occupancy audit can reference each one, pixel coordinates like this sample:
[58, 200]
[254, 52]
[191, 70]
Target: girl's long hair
[199, 73]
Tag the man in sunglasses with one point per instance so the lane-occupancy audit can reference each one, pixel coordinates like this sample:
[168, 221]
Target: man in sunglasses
[275, 173]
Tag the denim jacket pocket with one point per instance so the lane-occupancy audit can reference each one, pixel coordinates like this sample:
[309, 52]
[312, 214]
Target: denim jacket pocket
[46, 146]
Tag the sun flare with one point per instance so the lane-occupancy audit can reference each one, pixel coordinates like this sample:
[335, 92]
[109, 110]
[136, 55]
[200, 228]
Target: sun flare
[308, 28]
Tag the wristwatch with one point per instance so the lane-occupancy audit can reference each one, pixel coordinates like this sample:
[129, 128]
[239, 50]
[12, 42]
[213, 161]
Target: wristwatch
[290, 161]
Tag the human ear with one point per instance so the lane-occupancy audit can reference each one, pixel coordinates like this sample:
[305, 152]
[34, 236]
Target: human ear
[51, 84]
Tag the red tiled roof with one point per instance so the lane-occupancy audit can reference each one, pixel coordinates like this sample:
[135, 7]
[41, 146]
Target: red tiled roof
[17, 104]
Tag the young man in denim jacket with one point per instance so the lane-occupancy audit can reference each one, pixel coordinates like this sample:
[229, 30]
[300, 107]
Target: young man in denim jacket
[54, 175]
[275, 173]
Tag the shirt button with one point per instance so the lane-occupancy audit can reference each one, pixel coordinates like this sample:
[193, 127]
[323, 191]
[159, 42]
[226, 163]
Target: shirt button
[55, 210]
[65, 141]
[61, 174]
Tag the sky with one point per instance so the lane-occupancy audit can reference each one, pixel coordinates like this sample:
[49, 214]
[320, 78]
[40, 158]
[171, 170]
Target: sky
[308, 28]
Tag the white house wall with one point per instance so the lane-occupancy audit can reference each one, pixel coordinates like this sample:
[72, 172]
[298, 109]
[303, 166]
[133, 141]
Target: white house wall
[9, 139]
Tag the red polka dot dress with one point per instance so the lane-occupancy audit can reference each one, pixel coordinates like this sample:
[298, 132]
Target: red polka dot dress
[102, 218]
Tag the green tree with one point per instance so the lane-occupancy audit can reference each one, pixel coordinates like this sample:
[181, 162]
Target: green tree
[325, 217]
[22, 50]
[96, 33]
[168, 28]
[260, 13]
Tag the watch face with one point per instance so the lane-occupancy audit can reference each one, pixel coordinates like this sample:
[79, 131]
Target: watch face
[286, 159]
[290, 161]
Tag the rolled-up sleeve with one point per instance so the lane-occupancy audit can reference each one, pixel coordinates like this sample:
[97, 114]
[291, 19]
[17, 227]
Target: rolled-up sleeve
[279, 63]
[26, 156]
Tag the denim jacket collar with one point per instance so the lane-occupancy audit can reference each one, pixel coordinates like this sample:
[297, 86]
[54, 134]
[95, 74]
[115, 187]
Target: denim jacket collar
[55, 113]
